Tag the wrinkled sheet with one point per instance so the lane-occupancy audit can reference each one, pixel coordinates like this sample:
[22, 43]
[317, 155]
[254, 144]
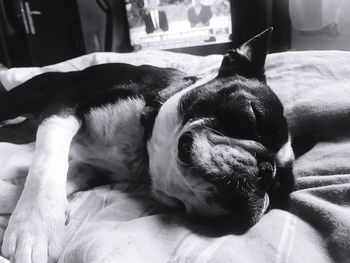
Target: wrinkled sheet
[122, 222]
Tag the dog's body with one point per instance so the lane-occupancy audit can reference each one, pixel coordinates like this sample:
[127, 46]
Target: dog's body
[219, 147]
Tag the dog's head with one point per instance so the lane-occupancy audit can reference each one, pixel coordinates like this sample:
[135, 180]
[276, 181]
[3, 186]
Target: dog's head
[219, 148]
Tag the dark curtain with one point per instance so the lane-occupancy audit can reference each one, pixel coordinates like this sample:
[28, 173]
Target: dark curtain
[253, 16]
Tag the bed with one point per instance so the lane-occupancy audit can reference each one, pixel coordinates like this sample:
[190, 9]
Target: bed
[122, 222]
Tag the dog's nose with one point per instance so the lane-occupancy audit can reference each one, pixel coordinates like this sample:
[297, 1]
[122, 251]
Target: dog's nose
[185, 147]
[267, 173]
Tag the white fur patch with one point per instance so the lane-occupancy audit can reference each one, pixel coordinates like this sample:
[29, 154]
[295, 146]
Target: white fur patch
[122, 117]
[113, 140]
[285, 155]
[162, 148]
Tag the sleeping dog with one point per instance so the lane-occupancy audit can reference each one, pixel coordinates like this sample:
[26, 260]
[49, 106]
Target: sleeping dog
[219, 147]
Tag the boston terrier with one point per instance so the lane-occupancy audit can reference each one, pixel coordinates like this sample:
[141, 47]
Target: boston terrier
[217, 147]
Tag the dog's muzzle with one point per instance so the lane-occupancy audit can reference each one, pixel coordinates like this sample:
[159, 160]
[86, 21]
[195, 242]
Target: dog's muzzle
[242, 171]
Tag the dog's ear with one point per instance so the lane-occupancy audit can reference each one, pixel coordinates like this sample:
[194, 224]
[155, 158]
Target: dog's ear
[249, 59]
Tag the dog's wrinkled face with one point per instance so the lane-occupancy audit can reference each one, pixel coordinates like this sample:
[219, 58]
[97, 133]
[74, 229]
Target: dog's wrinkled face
[217, 148]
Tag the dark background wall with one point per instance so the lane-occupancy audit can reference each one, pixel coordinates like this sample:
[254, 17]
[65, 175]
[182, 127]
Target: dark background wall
[68, 28]
[39, 32]
[253, 16]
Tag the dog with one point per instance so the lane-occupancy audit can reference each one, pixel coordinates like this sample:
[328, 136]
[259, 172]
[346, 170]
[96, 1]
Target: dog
[218, 147]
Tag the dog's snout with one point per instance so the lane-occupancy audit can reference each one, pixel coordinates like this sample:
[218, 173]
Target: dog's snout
[248, 145]
[185, 147]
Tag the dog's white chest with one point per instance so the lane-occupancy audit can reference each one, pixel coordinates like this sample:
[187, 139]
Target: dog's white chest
[112, 140]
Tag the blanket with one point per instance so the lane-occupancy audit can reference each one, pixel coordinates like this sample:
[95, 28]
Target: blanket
[123, 223]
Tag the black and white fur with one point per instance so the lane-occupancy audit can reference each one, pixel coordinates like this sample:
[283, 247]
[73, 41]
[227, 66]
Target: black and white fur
[220, 146]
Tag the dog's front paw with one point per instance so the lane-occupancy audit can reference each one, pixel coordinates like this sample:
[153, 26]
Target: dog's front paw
[35, 233]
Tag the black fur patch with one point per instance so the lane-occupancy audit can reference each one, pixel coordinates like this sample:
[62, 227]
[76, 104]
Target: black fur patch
[241, 108]
[77, 92]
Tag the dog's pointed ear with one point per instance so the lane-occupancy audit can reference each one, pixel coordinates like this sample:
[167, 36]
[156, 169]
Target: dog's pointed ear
[249, 59]
[255, 49]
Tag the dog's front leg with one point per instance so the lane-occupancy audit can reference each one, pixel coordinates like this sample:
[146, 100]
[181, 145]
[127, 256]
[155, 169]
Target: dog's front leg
[35, 232]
